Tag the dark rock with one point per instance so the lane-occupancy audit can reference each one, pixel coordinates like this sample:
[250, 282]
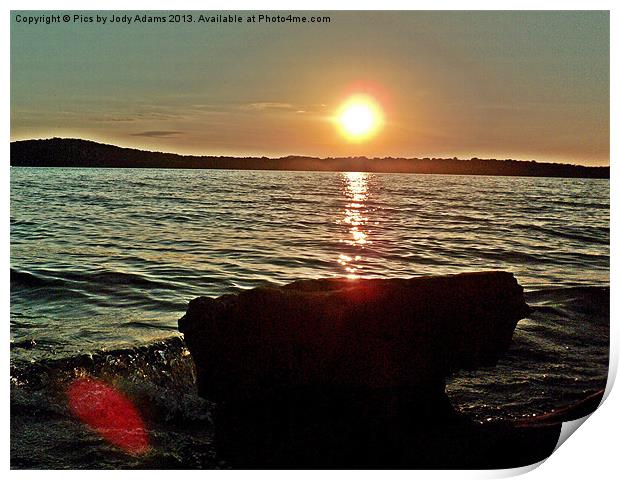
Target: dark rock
[358, 334]
[333, 372]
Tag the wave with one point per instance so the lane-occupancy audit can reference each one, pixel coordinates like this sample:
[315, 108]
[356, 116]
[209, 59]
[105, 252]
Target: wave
[49, 278]
[598, 235]
[20, 278]
[157, 360]
[83, 293]
[583, 300]
[158, 379]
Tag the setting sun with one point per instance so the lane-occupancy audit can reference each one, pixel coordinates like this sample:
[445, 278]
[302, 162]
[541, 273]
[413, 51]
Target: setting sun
[359, 118]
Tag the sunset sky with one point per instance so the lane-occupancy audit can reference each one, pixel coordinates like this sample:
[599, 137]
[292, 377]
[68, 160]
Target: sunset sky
[485, 84]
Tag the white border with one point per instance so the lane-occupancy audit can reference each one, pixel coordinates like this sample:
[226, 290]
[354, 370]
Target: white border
[592, 452]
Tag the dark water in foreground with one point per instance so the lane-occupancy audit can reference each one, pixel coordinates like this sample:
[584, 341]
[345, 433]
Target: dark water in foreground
[104, 261]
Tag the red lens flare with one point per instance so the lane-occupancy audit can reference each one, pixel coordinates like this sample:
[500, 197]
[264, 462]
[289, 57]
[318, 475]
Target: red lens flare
[109, 413]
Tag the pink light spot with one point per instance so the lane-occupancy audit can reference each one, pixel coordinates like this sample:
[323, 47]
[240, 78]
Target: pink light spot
[109, 413]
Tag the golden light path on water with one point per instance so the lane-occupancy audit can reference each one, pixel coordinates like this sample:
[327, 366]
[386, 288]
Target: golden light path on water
[355, 191]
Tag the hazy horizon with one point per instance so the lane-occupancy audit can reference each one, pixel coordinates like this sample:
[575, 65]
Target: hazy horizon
[167, 152]
[519, 85]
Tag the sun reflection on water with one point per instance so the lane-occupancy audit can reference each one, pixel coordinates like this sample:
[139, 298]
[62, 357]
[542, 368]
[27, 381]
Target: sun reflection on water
[355, 191]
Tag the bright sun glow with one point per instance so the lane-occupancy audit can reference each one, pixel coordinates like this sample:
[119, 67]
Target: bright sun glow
[359, 118]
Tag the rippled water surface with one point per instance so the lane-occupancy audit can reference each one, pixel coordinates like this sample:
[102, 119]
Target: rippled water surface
[93, 249]
[103, 258]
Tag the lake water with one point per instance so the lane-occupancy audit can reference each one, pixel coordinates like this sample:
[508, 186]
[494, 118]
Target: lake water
[104, 262]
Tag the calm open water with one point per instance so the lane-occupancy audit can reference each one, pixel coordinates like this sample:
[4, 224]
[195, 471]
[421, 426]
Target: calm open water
[107, 259]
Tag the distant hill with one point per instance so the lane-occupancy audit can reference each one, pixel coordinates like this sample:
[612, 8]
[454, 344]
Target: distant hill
[60, 152]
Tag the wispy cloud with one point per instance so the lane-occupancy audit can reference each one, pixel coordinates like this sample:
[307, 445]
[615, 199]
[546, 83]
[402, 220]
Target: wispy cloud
[267, 106]
[157, 134]
[282, 107]
[114, 119]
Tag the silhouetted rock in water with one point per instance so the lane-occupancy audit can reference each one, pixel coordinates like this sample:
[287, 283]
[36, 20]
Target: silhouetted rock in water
[351, 373]
[357, 334]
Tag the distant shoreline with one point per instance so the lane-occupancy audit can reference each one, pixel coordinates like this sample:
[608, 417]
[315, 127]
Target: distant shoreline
[69, 153]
